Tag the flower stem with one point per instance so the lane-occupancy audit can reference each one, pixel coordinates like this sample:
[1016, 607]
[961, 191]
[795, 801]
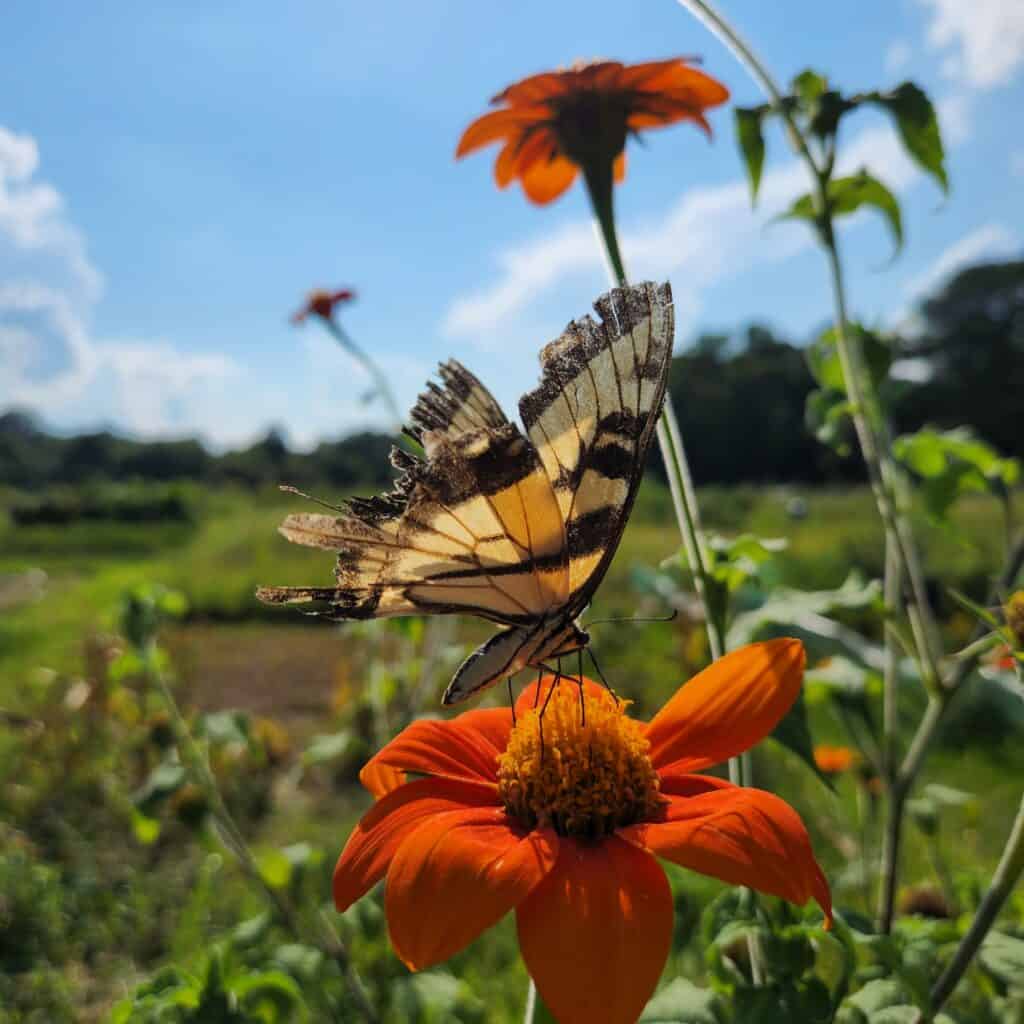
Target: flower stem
[380, 382]
[1008, 872]
[601, 190]
[329, 941]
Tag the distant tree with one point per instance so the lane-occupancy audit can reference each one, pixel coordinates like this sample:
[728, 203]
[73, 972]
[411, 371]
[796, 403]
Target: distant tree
[973, 344]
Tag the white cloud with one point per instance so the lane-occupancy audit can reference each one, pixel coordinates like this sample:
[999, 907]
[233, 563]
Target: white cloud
[897, 56]
[990, 241]
[984, 39]
[50, 362]
[708, 235]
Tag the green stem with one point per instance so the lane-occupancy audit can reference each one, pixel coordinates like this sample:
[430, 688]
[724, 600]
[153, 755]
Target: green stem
[195, 762]
[531, 1003]
[383, 388]
[600, 183]
[1008, 872]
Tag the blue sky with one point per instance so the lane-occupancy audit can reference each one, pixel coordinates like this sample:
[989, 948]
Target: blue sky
[173, 179]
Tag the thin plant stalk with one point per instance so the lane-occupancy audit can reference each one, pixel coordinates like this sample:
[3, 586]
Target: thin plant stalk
[1008, 873]
[600, 183]
[380, 381]
[881, 471]
[329, 942]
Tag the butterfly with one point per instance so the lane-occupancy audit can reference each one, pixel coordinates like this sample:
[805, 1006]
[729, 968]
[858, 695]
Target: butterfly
[515, 528]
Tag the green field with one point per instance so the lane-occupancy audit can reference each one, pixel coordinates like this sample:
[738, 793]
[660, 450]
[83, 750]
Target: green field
[140, 904]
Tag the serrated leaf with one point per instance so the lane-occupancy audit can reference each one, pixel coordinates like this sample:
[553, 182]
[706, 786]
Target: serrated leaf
[918, 127]
[848, 195]
[750, 135]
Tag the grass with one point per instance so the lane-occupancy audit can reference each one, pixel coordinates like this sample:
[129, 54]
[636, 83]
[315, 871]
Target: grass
[233, 652]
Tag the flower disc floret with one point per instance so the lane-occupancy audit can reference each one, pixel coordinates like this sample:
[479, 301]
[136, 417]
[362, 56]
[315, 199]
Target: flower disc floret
[580, 766]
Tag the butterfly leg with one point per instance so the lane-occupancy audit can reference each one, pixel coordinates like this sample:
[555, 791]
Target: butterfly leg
[511, 702]
[604, 681]
[579, 682]
[544, 707]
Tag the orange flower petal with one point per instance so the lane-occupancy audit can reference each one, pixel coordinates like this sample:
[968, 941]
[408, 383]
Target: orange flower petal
[545, 182]
[493, 724]
[596, 932]
[535, 89]
[457, 875]
[620, 167]
[451, 749]
[381, 779]
[534, 694]
[727, 708]
[743, 837]
[701, 89]
[498, 124]
[376, 838]
[639, 75]
[671, 784]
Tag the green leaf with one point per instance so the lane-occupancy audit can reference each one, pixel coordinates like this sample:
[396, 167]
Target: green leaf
[1003, 956]
[269, 996]
[952, 463]
[329, 746]
[146, 829]
[826, 366]
[274, 867]
[904, 1014]
[302, 962]
[878, 994]
[809, 86]
[165, 779]
[847, 195]
[827, 415]
[750, 135]
[226, 728]
[682, 1002]
[918, 127]
[794, 733]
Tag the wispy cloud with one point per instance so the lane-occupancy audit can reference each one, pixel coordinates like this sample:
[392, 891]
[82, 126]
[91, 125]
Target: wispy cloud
[983, 39]
[709, 235]
[897, 56]
[991, 241]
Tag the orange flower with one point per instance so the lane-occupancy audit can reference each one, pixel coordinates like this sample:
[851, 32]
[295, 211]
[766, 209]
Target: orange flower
[554, 123]
[834, 760]
[562, 828]
[321, 303]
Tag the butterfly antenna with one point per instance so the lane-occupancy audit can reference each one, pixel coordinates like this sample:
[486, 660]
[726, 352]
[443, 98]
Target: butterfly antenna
[674, 614]
[536, 692]
[288, 489]
[593, 658]
[511, 702]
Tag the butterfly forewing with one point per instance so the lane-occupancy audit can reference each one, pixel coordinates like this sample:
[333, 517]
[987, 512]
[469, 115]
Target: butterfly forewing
[592, 419]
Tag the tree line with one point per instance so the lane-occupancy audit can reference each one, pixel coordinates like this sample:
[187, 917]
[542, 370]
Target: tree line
[740, 399]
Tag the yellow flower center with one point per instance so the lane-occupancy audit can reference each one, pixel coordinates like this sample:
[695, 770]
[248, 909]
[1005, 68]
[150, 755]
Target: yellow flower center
[581, 769]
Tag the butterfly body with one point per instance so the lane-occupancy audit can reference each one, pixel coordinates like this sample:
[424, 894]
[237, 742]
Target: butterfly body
[515, 528]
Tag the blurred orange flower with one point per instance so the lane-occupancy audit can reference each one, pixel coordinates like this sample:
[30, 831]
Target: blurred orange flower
[561, 825]
[321, 303]
[834, 760]
[555, 123]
